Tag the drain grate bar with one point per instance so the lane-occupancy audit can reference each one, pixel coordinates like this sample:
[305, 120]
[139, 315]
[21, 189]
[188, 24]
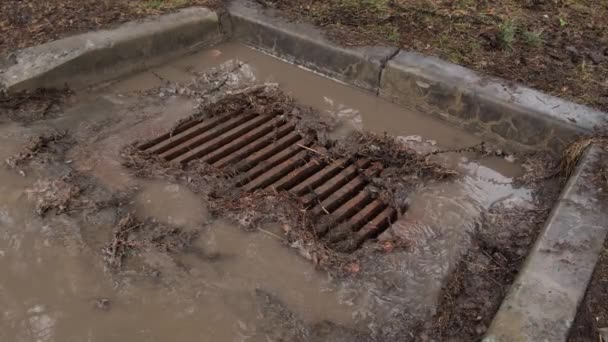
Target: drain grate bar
[265, 165]
[221, 140]
[183, 136]
[366, 214]
[350, 208]
[278, 171]
[180, 128]
[334, 183]
[345, 192]
[298, 175]
[243, 140]
[256, 145]
[277, 150]
[344, 212]
[319, 178]
[177, 150]
[376, 226]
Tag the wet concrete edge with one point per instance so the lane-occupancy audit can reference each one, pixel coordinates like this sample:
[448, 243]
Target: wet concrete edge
[511, 115]
[99, 56]
[304, 45]
[542, 303]
[502, 111]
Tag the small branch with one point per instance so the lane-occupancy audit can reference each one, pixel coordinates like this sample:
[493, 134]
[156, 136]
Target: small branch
[270, 234]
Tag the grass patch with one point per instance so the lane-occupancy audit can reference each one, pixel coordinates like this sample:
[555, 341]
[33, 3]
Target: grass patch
[533, 38]
[506, 34]
[165, 4]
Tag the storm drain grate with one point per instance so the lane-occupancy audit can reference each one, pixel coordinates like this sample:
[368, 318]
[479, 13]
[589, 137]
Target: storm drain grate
[267, 152]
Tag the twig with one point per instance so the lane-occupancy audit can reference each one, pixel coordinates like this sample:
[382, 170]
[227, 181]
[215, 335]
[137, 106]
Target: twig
[270, 233]
[317, 152]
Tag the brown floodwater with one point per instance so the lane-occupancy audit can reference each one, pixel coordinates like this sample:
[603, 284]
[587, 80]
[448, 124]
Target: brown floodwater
[54, 286]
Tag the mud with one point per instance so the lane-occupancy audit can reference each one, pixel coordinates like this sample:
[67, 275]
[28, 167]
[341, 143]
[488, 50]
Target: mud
[30, 106]
[137, 247]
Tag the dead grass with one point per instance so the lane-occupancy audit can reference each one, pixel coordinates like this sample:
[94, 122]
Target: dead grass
[573, 153]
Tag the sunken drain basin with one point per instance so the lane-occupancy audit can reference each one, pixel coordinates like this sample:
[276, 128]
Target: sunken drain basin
[143, 252]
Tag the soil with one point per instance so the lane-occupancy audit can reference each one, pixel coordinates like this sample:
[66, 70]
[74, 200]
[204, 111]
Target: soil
[25, 23]
[560, 47]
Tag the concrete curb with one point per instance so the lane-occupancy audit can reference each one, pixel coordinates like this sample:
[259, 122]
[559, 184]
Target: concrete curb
[542, 303]
[305, 45]
[510, 115]
[103, 55]
[493, 108]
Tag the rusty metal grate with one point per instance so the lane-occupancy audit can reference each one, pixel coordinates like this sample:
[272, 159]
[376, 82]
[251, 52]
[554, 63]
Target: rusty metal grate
[267, 152]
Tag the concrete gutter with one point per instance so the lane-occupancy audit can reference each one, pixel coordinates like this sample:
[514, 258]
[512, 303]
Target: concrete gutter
[99, 56]
[303, 44]
[542, 303]
[510, 115]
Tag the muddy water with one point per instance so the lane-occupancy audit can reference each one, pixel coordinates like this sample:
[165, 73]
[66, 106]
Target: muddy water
[353, 108]
[53, 285]
[356, 108]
